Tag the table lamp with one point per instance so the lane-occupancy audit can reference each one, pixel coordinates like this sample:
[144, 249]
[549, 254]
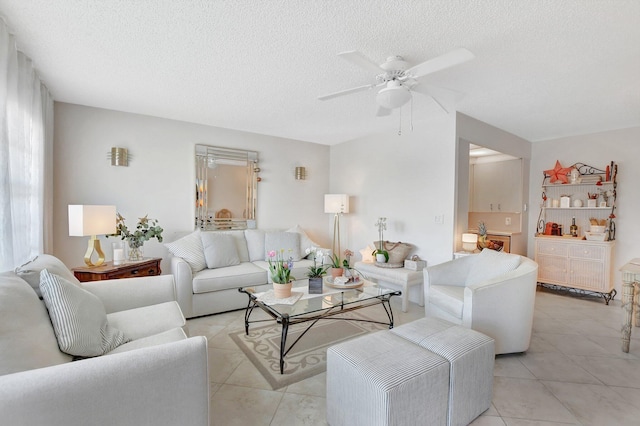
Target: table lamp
[92, 221]
[338, 204]
[469, 242]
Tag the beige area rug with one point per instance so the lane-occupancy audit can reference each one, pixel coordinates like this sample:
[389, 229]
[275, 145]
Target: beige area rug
[308, 357]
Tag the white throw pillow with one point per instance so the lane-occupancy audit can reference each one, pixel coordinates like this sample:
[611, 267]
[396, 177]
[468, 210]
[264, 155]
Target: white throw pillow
[279, 241]
[305, 241]
[30, 271]
[190, 249]
[78, 317]
[241, 243]
[219, 250]
[255, 244]
[490, 264]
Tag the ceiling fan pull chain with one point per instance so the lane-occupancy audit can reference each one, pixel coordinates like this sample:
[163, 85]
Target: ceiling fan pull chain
[411, 115]
[400, 123]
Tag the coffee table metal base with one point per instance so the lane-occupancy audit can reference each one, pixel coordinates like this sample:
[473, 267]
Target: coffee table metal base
[285, 320]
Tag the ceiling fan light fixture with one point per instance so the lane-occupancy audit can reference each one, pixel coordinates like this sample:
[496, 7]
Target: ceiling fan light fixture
[393, 97]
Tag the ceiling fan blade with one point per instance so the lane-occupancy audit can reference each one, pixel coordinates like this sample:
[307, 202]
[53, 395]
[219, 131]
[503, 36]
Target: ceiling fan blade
[346, 92]
[382, 111]
[425, 91]
[362, 61]
[455, 57]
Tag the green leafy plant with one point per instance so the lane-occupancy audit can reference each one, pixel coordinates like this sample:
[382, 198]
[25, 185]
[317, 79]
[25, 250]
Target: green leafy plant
[316, 271]
[335, 261]
[145, 230]
[279, 267]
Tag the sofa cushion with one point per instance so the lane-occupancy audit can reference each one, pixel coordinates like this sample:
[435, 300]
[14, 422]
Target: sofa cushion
[286, 243]
[219, 250]
[306, 243]
[491, 264]
[449, 298]
[241, 243]
[78, 317]
[242, 275]
[148, 320]
[173, 335]
[190, 249]
[27, 340]
[30, 271]
[255, 244]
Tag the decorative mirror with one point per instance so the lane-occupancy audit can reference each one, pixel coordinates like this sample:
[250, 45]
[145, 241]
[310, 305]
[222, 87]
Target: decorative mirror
[226, 188]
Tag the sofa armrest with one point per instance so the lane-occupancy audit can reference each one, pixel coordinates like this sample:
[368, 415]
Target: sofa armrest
[130, 293]
[166, 384]
[184, 284]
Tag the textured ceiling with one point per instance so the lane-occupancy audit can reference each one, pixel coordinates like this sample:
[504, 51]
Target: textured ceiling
[543, 69]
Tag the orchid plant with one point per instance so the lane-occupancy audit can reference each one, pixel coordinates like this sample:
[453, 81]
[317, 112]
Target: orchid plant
[280, 267]
[316, 271]
[382, 226]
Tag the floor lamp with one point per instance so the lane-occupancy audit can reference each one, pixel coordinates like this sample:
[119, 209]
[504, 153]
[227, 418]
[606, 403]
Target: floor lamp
[338, 204]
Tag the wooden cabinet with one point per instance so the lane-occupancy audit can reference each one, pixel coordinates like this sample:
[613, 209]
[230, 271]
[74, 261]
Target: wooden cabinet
[578, 264]
[109, 271]
[497, 186]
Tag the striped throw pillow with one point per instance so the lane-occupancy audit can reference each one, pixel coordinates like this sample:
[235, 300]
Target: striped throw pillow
[78, 317]
[190, 249]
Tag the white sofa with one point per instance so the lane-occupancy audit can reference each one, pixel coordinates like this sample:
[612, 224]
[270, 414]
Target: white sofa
[208, 276]
[490, 292]
[160, 377]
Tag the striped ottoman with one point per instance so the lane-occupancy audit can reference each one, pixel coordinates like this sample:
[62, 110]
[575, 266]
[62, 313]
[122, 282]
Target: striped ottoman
[471, 356]
[383, 379]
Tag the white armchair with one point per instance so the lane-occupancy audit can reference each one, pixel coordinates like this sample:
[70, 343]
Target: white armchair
[491, 292]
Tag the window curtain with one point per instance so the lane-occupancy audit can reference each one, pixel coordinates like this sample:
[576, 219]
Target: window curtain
[26, 166]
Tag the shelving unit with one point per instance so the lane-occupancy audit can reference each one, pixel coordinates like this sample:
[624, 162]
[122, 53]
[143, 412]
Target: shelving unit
[573, 263]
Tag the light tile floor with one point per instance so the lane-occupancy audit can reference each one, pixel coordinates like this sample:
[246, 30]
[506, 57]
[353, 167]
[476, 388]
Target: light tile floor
[574, 373]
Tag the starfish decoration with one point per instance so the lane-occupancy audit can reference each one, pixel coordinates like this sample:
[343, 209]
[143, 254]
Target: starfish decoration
[367, 257]
[558, 173]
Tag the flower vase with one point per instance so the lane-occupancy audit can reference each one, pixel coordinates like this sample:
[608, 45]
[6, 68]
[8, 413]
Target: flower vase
[135, 249]
[282, 291]
[315, 285]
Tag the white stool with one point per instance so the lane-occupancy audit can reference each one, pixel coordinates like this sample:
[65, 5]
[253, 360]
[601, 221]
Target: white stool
[383, 379]
[397, 276]
[471, 356]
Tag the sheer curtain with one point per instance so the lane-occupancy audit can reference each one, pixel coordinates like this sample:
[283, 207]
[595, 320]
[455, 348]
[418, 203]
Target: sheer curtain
[26, 140]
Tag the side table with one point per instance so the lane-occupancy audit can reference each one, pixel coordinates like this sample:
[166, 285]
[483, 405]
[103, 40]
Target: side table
[397, 276]
[109, 271]
[630, 278]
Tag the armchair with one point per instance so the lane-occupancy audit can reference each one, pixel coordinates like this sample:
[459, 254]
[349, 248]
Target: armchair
[492, 292]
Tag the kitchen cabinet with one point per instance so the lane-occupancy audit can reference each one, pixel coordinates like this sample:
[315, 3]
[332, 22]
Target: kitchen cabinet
[497, 186]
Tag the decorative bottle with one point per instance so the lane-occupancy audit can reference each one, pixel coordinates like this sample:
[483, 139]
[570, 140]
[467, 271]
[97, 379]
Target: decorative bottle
[573, 229]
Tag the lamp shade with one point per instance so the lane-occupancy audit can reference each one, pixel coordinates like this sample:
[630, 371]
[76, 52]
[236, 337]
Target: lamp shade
[469, 242]
[336, 203]
[91, 220]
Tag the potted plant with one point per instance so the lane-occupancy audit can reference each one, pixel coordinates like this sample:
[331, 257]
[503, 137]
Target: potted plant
[316, 272]
[336, 266]
[280, 269]
[145, 230]
[381, 255]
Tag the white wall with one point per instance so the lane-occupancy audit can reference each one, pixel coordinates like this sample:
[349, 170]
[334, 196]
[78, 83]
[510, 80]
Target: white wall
[161, 174]
[598, 150]
[409, 179]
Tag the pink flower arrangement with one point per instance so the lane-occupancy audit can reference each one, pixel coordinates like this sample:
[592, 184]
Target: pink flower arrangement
[280, 267]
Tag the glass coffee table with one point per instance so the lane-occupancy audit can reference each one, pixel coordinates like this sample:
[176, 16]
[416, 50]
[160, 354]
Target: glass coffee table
[311, 308]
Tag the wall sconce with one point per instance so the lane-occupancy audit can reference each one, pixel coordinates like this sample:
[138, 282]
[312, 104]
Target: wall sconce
[301, 173]
[119, 156]
[469, 242]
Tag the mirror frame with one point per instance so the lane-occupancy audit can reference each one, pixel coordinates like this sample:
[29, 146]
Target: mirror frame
[205, 155]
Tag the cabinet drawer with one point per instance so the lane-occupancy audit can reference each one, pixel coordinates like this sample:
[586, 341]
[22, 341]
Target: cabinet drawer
[552, 248]
[583, 251]
[142, 271]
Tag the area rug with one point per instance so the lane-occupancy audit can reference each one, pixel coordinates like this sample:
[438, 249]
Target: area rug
[308, 357]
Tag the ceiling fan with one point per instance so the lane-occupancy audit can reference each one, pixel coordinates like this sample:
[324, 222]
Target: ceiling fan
[398, 79]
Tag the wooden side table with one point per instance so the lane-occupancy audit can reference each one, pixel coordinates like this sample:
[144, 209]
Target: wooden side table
[109, 271]
[630, 278]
